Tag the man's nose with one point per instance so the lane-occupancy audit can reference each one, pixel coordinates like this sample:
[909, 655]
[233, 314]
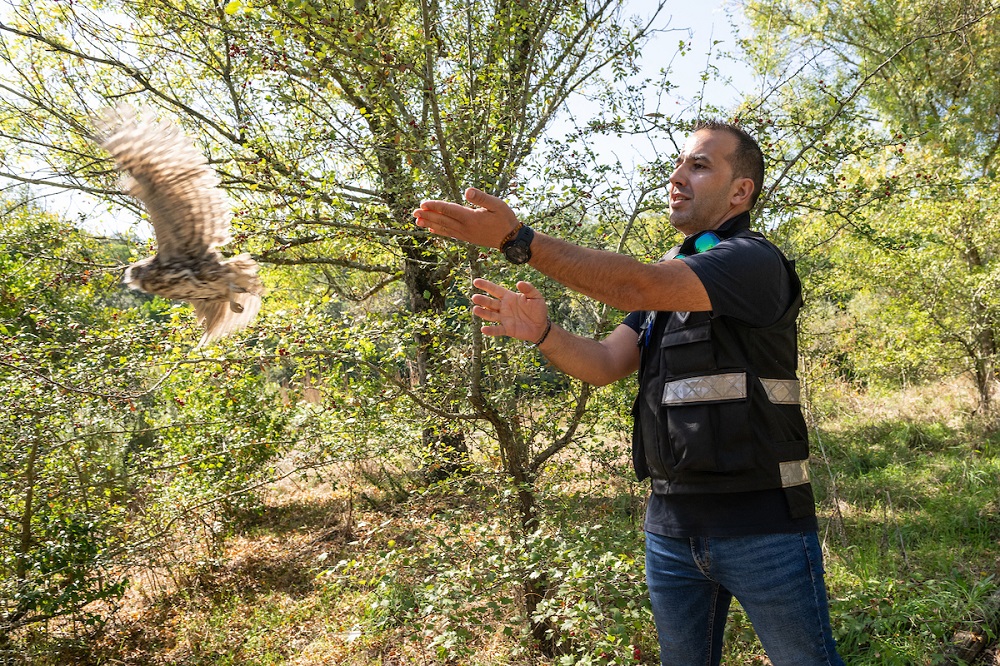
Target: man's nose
[676, 176]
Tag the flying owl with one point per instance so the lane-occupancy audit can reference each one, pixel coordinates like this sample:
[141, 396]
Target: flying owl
[190, 217]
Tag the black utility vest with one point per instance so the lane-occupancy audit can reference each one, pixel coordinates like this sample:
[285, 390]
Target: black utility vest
[718, 405]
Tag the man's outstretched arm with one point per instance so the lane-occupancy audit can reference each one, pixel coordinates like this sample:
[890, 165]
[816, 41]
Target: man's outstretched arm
[615, 279]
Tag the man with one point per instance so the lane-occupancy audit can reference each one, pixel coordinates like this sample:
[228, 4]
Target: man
[718, 428]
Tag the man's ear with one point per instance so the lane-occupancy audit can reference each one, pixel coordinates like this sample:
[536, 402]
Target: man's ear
[742, 192]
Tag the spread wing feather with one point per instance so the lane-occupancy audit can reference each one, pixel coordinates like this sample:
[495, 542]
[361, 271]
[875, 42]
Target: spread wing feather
[219, 318]
[189, 213]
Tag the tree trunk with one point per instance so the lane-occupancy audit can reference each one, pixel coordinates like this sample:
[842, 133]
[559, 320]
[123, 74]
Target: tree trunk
[984, 380]
[516, 462]
[986, 343]
[29, 491]
[24, 543]
[447, 449]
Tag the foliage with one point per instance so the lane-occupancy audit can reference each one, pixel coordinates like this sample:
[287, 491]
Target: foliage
[904, 622]
[104, 450]
[922, 307]
[328, 122]
[471, 577]
[912, 510]
[61, 516]
[908, 515]
[885, 148]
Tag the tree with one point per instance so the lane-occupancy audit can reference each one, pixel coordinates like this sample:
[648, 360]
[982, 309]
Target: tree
[107, 437]
[46, 474]
[899, 154]
[328, 122]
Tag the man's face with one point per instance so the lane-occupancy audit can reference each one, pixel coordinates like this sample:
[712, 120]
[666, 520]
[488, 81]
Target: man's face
[703, 193]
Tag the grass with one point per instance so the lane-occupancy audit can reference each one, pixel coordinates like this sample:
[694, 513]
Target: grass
[909, 501]
[911, 505]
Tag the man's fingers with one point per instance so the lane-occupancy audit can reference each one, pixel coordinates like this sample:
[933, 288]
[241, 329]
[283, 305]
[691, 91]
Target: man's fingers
[443, 217]
[486, 313]
[528, 289]
[494, 331]
[431, 219]
[442, 207]
[425, 220]
[474, 196]
[494, 290]
[483, 302]
[477, 197]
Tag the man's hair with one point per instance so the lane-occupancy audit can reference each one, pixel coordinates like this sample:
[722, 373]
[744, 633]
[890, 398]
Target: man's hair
[747, 161]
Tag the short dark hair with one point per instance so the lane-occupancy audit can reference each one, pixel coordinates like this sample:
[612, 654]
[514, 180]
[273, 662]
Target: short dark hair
[747, 161]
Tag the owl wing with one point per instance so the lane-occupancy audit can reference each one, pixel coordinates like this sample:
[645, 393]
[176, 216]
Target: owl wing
[189, 212]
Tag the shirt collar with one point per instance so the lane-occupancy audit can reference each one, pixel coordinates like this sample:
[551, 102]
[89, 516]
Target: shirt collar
[728, 229]
[734, 225]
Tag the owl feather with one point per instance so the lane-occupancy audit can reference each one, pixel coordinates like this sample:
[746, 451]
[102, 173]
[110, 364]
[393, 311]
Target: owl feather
[190, 216]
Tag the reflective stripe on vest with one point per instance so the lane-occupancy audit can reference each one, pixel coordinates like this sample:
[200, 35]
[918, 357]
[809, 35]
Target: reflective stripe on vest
[727, 386]
[708, 388]
[794, 472]
[781, 391]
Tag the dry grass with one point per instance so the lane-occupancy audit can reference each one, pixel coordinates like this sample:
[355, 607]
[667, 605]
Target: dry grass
[268, 595]
[838, 404]
[201, 607]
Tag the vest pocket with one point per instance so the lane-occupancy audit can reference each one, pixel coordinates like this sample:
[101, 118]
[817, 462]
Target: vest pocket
[687, 350]
[710, 437]
[704, 409]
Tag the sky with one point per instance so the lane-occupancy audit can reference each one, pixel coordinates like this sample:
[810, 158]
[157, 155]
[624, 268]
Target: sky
[705, 27]
[699, 22]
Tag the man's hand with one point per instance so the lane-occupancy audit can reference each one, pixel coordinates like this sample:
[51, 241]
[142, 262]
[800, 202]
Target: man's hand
[487, 225]
[523, 314]
[520, 314]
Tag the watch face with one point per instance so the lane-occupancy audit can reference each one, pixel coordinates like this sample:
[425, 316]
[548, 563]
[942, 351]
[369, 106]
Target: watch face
[517, 251]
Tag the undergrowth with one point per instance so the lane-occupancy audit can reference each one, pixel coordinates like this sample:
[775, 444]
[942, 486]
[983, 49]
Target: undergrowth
[909, 506]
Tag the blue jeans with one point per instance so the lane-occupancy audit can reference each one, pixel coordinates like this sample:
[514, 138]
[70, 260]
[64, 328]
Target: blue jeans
[777, 578]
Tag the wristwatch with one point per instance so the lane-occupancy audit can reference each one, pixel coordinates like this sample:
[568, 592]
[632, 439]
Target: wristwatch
[518, 249]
